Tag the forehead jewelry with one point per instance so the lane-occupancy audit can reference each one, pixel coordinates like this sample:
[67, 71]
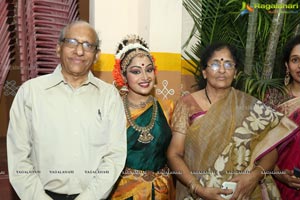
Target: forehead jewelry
[126, 60]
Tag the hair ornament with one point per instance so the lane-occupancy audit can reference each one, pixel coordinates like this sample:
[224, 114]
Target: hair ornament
[129, 47]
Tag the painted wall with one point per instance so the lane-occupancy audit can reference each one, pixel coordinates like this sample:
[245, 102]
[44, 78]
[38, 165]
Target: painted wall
[164, 24]
[159, 22]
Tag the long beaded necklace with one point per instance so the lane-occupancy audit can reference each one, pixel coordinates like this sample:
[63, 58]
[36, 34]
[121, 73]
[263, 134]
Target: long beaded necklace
[145, 135]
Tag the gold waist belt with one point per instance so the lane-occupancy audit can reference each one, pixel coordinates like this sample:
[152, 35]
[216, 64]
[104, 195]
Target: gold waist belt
[146, 175]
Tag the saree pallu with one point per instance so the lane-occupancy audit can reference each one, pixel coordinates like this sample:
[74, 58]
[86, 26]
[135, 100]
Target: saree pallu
[289, 152]
[225, 142]
[146, 176]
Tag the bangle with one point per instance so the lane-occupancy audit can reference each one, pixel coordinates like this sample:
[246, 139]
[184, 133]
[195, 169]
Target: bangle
[192, 185]
[262, 171]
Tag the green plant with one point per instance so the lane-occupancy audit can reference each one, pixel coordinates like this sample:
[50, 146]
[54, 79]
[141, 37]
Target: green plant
[258, 36]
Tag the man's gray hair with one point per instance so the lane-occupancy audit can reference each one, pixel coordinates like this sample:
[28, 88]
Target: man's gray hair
[64, 29]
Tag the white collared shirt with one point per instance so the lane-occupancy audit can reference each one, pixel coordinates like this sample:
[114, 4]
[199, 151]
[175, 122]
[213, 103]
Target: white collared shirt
[66, 140]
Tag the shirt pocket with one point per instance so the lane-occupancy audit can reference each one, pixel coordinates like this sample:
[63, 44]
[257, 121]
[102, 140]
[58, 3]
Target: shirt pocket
[99, 133]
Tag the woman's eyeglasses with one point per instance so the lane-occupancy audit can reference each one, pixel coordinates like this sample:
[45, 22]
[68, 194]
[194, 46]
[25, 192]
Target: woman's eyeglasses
[215, 65]
[73, 43]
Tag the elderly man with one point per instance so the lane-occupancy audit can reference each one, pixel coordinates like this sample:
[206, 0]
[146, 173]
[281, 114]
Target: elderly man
[67, 132]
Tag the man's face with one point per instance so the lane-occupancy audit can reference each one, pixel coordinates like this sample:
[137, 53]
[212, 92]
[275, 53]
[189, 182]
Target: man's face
[76, 60]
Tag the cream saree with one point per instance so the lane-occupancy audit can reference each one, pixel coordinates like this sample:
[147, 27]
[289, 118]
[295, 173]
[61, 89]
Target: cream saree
[228, 139]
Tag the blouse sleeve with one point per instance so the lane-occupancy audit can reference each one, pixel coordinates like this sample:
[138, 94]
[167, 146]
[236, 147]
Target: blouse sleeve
[274, 98]
[180, 118]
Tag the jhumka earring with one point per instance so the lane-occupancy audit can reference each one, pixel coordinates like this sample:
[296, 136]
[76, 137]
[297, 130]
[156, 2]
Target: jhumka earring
[124, 88]
[287, 78]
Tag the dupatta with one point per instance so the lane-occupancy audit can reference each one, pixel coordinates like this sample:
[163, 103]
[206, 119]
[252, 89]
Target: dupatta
[234, 133]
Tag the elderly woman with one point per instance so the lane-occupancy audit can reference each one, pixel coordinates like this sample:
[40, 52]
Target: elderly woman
[223, 135]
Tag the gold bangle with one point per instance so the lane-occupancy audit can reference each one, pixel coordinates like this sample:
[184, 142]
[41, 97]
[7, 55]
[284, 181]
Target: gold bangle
[262, 171]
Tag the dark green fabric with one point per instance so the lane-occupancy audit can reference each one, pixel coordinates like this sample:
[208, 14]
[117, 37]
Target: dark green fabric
[151, 156]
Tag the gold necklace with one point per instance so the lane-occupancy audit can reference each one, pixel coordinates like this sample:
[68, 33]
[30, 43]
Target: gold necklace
[141, 104]
[145, 135]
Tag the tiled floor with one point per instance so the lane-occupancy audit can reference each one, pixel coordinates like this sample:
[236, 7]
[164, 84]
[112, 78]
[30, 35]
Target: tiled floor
[6, 191]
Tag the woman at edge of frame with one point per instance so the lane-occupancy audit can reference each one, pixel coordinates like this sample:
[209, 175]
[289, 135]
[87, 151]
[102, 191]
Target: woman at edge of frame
[289, 104]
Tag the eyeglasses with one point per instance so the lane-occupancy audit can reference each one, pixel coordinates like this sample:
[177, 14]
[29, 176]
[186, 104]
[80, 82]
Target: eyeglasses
[73, 43]
[216, 65]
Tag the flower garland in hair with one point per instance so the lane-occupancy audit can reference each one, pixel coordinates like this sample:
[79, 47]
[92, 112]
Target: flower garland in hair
[117, 73]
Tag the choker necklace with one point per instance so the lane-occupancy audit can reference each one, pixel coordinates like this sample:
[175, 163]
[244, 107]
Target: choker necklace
[145, 135]
[207, 96]
[141, 104]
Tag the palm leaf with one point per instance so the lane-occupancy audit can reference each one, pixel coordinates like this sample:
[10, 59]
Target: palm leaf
[220, 20]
